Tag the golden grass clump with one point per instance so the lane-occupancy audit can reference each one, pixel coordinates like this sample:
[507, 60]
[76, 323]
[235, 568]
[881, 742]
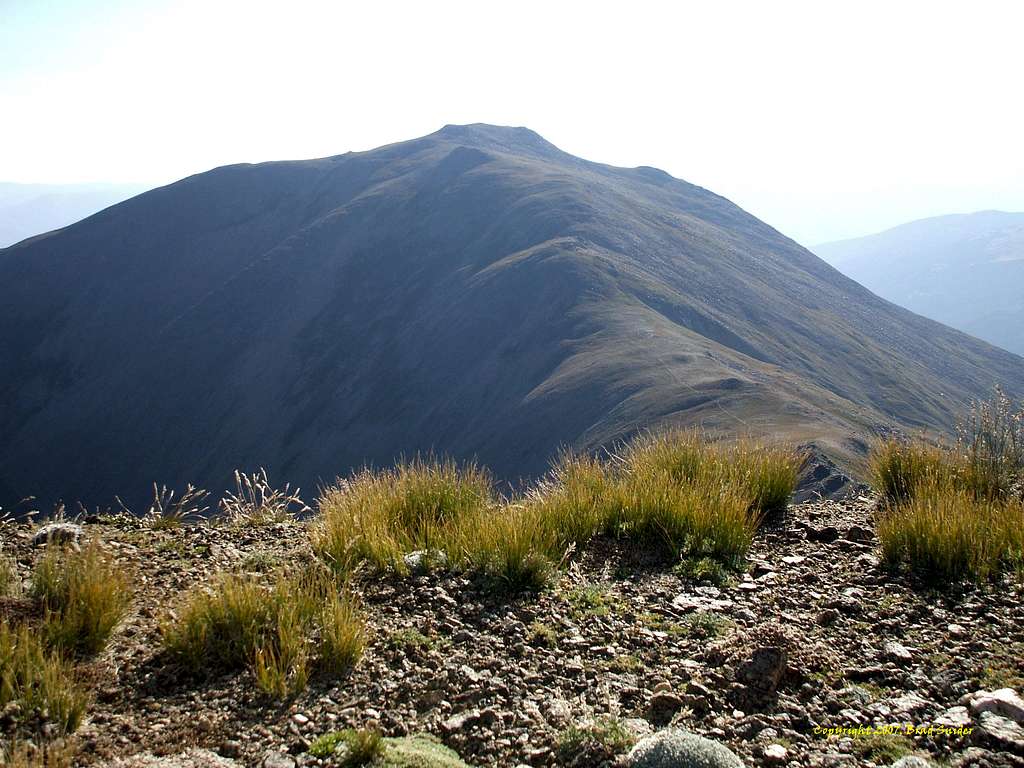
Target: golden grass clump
[944, 532]
[898, 467]
[377, 517]
[764, 474]
[83, 597]
[674, 491]
[244, 623]
[39, 681]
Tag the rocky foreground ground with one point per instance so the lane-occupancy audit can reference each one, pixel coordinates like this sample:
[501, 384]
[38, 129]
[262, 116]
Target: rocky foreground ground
[818, 635]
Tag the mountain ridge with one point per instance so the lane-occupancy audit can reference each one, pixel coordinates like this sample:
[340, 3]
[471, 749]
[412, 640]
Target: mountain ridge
[459, 294]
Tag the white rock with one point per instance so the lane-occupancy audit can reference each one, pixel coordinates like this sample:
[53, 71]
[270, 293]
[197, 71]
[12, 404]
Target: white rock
[775, 753]
[897, 651]
[954, 717]
[1004, 702]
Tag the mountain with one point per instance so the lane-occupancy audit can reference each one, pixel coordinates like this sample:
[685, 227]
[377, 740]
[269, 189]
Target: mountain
[29, 209]
[965, 270]
[476, 291]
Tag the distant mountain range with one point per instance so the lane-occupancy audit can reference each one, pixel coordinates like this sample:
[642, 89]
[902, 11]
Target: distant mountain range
[476, 292]
[31, 209]
[964, 270]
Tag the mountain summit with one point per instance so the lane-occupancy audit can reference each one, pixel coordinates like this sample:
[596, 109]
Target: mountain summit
[476, 292]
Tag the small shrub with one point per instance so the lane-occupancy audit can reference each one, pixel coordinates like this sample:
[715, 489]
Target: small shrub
[357, 747]
[990, 442]
[83, 597]
[704, 570]
[543, 634]
[41, 683]
[706, 625]
[410, 640]
[255, 502]
[945, 533]
[601, 740]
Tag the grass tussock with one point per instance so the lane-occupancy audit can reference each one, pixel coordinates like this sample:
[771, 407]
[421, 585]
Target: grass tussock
[377, 517]
[83, 596]
[20, 754]
[169, 510]
[951, 513]
[946, 533]
[256, 503]
[243, 623]
[39, 682]
[675, 492]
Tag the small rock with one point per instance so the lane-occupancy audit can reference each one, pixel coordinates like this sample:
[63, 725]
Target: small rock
[793, 559]
[1001, 732]
[674, 748]
[461, 721]
[897, 652]
[764, 671]
[300, 719]
[425, 559]
[664, 704]
[1004, 702]
[827, 617]
[954, 717]
[913, 761]
[775, 753]
[278, 760]
[826, 535]
[58, 533]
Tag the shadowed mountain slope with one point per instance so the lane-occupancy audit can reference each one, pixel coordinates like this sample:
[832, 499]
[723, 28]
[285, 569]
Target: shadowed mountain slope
[965, 270]
[476, 291]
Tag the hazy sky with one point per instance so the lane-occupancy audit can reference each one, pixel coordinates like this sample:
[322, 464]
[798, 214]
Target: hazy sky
[826, 119]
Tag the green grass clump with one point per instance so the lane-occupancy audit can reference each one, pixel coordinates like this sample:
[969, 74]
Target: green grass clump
[356, 747]
[40, 682]
[351, 748]
[244, 623]
[83, 597]
[882, 748]
[601, 740]
[946, 533]
[377, 517]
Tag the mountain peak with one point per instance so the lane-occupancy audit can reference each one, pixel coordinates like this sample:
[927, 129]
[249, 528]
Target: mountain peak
[502, 137]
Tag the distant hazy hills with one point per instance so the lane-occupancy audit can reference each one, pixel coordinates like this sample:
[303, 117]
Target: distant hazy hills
[29, 209]
[476, 291]
[964, 270]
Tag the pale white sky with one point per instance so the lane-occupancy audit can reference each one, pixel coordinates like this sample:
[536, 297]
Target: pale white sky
[826, 119]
